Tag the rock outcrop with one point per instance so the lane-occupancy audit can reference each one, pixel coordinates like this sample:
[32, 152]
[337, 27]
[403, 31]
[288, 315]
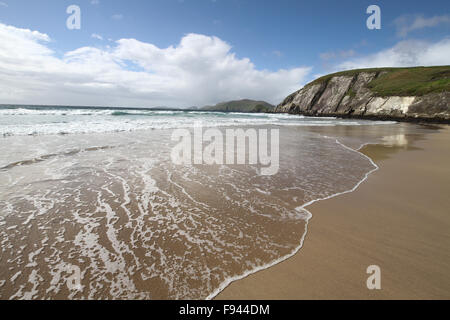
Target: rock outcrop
[351, 96]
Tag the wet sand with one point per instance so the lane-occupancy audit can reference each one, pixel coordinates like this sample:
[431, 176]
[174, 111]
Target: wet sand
[399, 219]
[137, 226]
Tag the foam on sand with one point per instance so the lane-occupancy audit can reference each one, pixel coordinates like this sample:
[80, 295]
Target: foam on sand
[140, 227]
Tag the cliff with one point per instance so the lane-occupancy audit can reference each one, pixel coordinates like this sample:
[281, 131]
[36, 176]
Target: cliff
[421, 94]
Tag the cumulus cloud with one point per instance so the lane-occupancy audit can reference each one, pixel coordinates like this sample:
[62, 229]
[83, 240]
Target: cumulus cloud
[404, 54]
[200, 70]
[408, 23]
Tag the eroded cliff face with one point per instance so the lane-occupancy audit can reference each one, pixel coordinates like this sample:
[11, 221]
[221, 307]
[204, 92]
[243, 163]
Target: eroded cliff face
[350, 96]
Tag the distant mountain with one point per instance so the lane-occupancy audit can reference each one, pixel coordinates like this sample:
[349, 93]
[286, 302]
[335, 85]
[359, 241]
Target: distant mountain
[245, 105]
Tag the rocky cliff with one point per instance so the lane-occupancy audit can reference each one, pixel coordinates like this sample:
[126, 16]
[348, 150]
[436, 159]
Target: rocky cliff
[400, 94]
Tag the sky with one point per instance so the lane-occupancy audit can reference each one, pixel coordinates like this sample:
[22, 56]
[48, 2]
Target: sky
[183, 53]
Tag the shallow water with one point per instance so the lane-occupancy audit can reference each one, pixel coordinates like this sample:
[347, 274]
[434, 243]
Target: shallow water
[140, 227]
[60, 120]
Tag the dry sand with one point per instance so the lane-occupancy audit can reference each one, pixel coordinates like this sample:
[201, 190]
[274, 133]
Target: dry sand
[399, 219]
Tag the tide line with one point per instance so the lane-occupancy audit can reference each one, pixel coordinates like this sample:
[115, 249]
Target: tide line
[309, 215]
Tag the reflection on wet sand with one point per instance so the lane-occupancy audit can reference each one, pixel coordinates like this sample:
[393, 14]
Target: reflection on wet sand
[140, 227]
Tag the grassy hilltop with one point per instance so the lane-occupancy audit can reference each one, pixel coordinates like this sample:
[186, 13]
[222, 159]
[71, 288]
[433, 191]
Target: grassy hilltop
[417, 81]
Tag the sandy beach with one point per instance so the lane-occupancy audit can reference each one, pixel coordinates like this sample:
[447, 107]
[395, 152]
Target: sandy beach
[398, 219]
[113, 210]
[192, 151]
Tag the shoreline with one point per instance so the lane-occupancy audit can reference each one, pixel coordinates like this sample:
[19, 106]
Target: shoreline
[406, 119]
[303, 208]
[278, 281]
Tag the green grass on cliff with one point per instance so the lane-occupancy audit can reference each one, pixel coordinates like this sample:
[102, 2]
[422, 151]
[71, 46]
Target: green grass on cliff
[415, 81]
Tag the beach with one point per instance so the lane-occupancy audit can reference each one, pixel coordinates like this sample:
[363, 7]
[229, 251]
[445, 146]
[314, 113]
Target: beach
[94, 205]
[192, 151]
[398, 219]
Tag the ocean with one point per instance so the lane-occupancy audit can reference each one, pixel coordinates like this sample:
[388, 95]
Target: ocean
[92, 207]
[20, 120]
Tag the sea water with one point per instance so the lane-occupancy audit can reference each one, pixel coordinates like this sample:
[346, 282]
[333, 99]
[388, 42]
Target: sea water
[96, 189]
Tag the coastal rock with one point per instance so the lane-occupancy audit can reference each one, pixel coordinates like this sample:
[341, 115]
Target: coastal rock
[304, 97]
[431, 105]
[392, 106]
[331, 98]
[358, 97]
[351, 95]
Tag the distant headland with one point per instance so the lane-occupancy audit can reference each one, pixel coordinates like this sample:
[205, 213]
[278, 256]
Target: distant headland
[403, 94]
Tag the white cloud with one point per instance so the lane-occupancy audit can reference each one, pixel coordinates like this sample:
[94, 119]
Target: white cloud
[96, 36]
[95, 2]
[404, 54]
[408, 23]
[3, 4]
[200, 70]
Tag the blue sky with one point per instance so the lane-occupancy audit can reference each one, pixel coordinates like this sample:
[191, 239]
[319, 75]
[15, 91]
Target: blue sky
[322, 36]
